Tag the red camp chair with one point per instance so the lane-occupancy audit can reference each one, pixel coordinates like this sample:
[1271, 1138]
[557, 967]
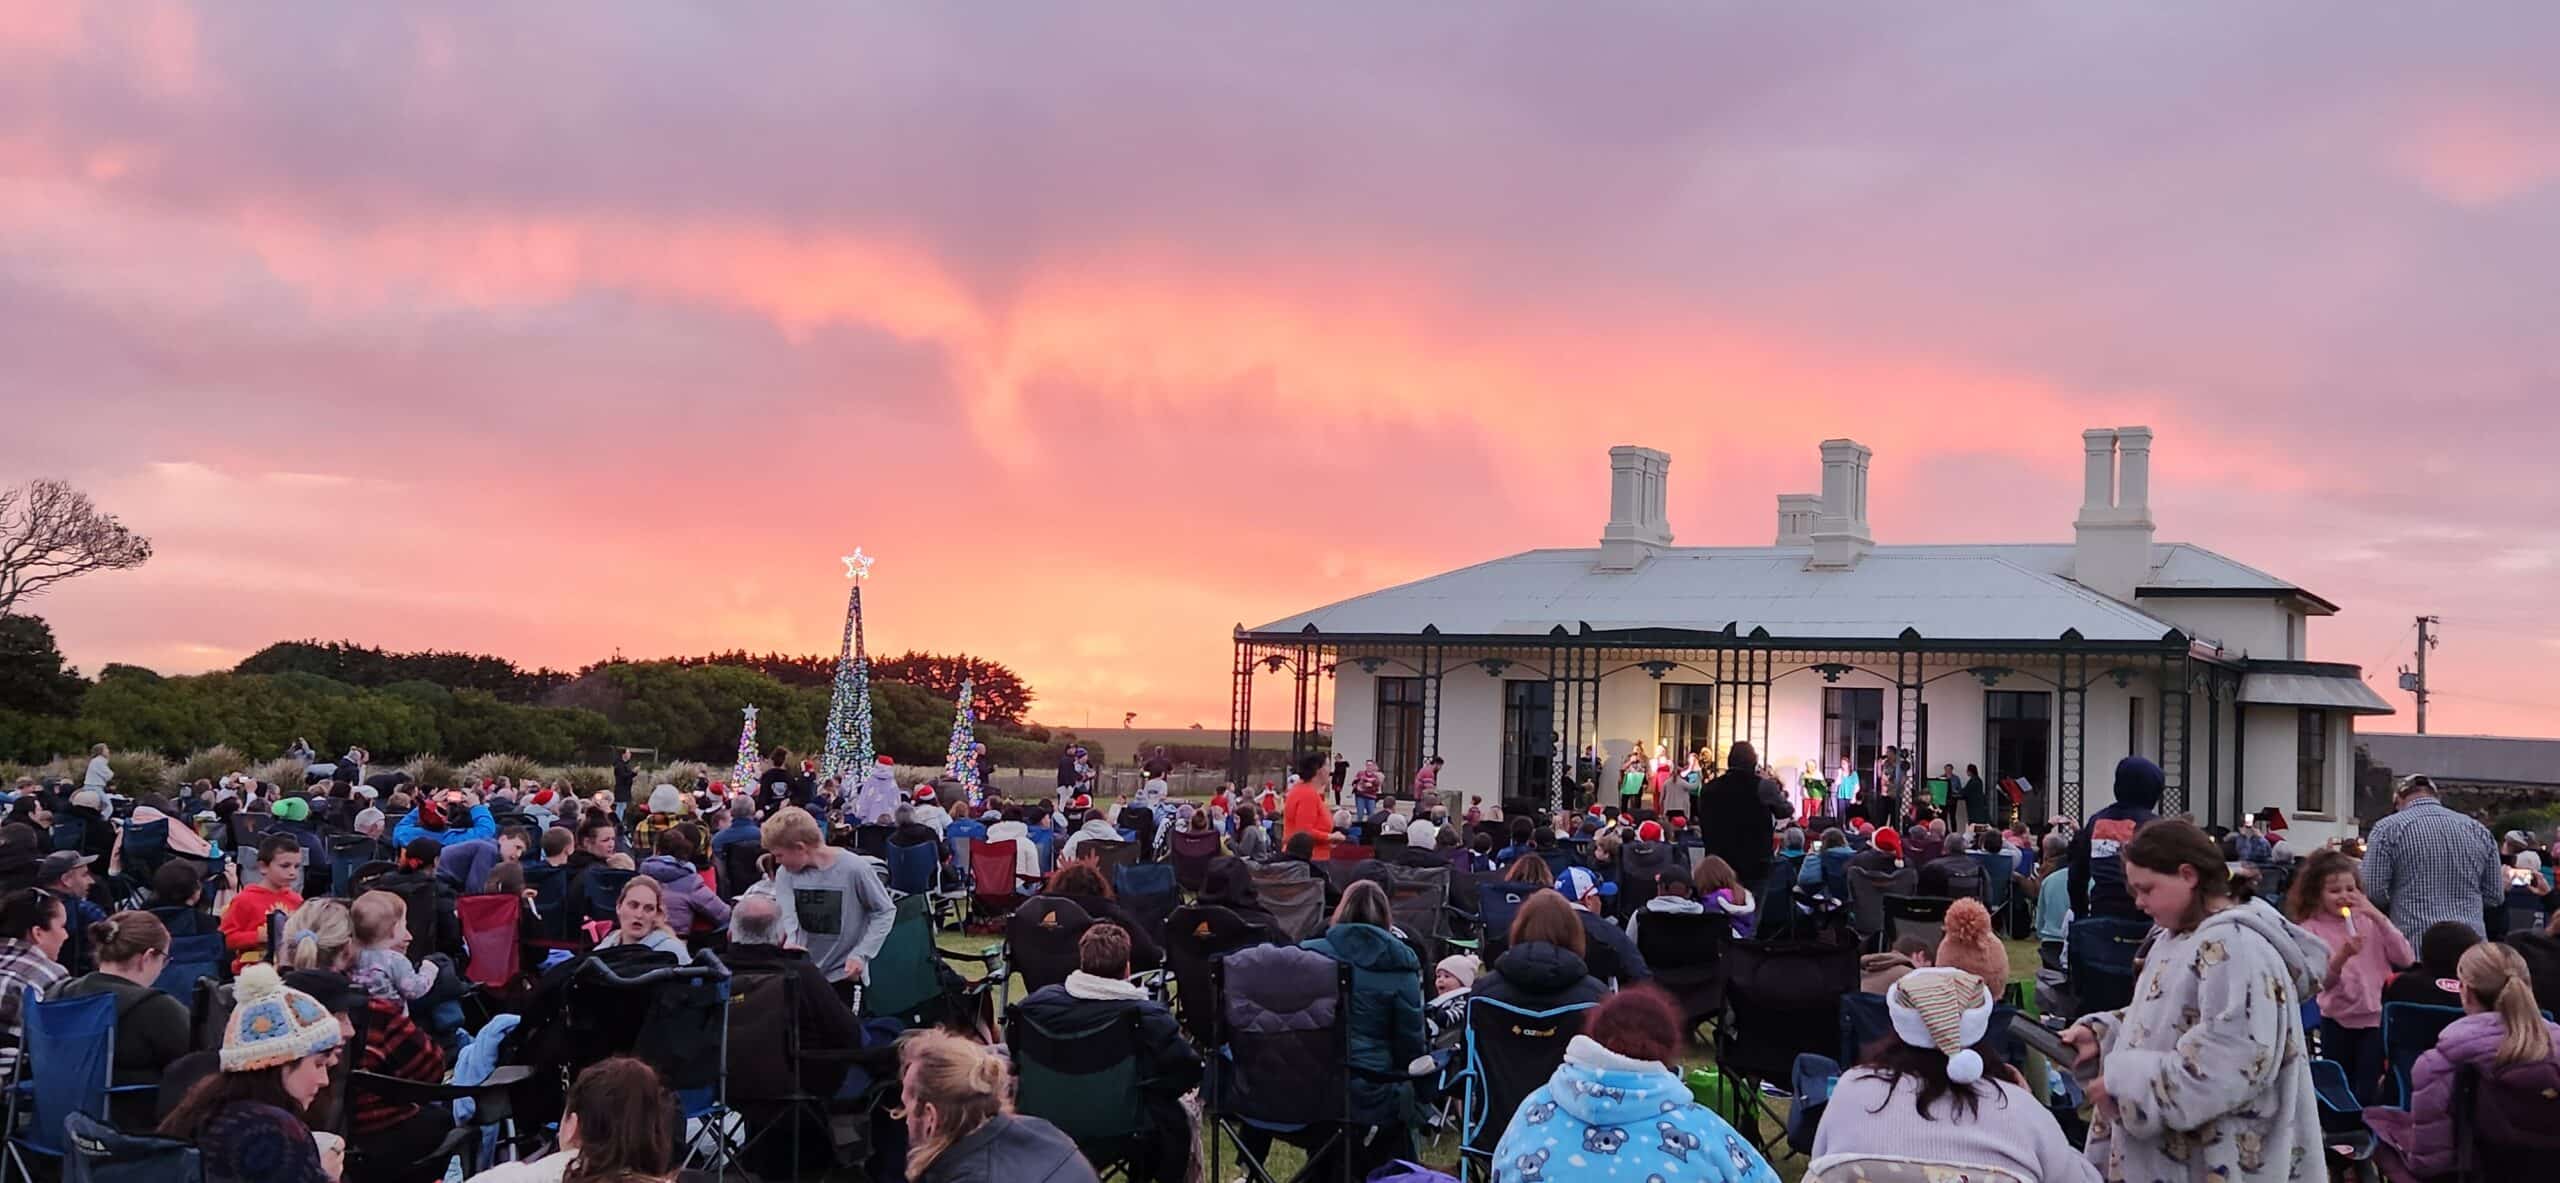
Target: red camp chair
[489, 929]
[1344, 852]
[995, 887]
[1192, 852]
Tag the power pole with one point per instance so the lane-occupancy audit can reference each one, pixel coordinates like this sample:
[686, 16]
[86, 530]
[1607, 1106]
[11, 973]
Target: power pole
[2415, 681]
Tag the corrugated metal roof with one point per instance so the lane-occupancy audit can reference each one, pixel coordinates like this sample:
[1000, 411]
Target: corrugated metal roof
[1968, 593]
[2328, 692]
[2493, 759]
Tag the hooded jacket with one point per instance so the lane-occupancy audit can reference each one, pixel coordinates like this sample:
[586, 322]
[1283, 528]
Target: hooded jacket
[689, 899]
[2097, 873]
[1229, 884]
[1386, 1016]
[1539, 976]
[483, 824]
[1604, 1115]
[2424, 1133]
[2208, 1067]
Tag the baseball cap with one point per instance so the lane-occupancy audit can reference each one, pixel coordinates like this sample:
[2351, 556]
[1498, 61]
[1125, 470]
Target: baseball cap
[292, 809]
[1577, 883]
[59, 864]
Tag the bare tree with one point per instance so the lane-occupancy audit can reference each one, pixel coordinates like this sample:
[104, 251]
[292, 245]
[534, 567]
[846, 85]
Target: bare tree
[50, 532]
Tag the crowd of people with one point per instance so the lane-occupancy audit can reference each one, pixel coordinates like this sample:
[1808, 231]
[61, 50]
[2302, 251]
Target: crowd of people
[335, 912]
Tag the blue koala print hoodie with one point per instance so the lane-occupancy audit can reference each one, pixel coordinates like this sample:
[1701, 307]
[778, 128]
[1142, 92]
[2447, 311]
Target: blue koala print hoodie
[1603, 1116]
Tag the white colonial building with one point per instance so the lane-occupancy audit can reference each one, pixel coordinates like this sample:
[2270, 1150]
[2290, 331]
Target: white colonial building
[2046, 662]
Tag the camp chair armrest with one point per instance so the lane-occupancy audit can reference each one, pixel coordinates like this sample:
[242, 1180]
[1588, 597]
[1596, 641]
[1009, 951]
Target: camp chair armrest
[1153, 979]
[393, 1088]
[990, 958]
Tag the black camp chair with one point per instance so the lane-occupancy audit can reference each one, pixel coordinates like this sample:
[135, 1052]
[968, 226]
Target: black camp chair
[1195, 936]
[1782, 1000]
[101, 1153]
[1685, 950]
[1283, 1066]
[2409, 1029]
[1867, 891]
[1921, 917]
[1149, 893]
[766, 1083]
[1639, 864]
[674, 1018]
[1292, 894]
[1040, 940]
[1510, 1053]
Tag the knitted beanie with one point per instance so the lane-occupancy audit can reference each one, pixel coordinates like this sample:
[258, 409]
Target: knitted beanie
[1945, 1009]
[274, 1025]
[1969, 944]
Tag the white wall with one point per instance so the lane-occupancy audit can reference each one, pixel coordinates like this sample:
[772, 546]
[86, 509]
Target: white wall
[2251, 628]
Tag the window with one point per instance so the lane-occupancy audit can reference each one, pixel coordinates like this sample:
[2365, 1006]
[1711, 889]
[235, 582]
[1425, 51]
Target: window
[1852, 729]
[1399, 744]
[1528, 739]
[1688, 719]
[2311, 764]
[2133, 727]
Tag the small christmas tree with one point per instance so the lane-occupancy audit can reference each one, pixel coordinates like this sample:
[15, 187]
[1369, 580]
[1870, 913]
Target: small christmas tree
[743, 777]
[957, 763]
[848, 744]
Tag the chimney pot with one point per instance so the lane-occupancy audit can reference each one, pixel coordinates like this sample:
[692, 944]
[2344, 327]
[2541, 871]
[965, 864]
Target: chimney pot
[1639, 527]
[1840, 536]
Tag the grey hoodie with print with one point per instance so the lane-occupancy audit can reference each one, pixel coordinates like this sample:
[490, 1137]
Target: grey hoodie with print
[2208, 1067]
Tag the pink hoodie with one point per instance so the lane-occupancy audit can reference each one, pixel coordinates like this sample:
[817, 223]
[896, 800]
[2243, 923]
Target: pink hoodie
[2352, 997]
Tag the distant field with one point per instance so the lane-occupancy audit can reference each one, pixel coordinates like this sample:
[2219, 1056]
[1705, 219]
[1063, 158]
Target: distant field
[1118, 742]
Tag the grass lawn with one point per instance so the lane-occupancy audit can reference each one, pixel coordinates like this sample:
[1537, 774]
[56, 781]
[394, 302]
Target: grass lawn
[1442, 1154]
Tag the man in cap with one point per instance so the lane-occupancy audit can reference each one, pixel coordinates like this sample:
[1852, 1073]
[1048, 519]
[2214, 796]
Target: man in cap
[1609, 952]
[65, 873]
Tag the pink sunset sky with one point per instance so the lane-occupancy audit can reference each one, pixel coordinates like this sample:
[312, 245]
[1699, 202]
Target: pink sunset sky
[554, 330]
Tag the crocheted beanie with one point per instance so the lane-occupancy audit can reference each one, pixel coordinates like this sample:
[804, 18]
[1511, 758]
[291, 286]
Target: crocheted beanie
[273, 1024]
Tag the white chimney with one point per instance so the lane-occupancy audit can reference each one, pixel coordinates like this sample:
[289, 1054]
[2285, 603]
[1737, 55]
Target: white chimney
[2111, 550]
[1840, 535]
[1798, 513]
[1639, 484]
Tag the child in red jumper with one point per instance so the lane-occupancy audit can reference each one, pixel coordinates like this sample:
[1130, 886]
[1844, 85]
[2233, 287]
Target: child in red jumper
[244, 923]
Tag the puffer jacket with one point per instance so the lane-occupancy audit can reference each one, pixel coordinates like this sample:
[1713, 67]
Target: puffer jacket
[2208, 1067]
[1386, 1016]
[2515, 1102]
[689, 899]
[1010, 1148]
[1539, 976]
[1603, 1115]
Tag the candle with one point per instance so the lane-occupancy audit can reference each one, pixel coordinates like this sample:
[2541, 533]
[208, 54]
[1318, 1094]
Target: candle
[2349, 915]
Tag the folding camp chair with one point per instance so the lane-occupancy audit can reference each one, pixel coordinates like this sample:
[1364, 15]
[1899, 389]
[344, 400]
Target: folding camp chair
[347, 852]
[1110, 853]
[1886, 1168]
[492, 929]
[1639, 864]
[911, 980]
[915, 868]
[1781, 917]
[2493, 1140]
[1923, 917]
[872, 838]
[1496, 904]
[1998, 880]
[1511, 1051]
[675, 1018]
[2100, 952]
[1351, 853]
[1292, 894]
[1283, 1064]
[1040, 940]
[739, 870]
[996, 884]
[197, 955]
[599, 890]
[146, 846]
[766, 1085]
[493, 1110]
[2345, 1138]
[1866, 901]
[1195, 936]
[1085, 1081]
[67, 1057]
[1685, 950]
[1192, 852]
[1149, 893]
[101, 1153]
[1418, 899]
[2408, 1030]
[1782, 1000]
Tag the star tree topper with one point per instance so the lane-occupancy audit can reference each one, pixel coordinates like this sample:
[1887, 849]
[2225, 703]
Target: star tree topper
[857, 566]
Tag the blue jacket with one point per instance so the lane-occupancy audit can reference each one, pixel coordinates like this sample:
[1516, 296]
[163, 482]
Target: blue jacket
[1604, 1116]
[468, 863]
[740, 829]
[482, 826]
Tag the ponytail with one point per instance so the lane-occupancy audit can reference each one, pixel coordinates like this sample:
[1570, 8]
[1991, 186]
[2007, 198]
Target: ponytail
[2497, 976]
[963, 1086]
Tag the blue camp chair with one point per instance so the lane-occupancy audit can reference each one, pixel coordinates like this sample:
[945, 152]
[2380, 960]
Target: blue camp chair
[350, 851]
[2101, 950]
[101, 1153]
[1496, 904]
[915, 868]
[146, 846]
[1149, 892]
[69, 1052]
[1511, 1051]
[2408, 1030]
[602, 892]
[1046, 840]
[200, 955]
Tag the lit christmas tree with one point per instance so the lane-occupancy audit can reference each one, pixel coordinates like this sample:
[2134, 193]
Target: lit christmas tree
[742, 779]
[848, 745]
[956, 763]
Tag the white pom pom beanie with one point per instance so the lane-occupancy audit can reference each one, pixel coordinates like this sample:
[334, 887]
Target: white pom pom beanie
[1945, 1009]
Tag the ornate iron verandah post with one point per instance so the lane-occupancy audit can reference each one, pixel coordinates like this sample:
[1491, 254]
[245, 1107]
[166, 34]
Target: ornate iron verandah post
[1435, 659]
[2073, 685]
[1240, 713]
[2177, 675]
[1564, 714]
[1758, 677]
[1301, 712]
[1907, 676]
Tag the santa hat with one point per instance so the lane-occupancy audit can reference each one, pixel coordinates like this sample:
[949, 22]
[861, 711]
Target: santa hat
[1649, 831]
[926, 793]
[1081, 801]
[1947, 1010]
[543, 797]
[886, 762]
[1889, 841]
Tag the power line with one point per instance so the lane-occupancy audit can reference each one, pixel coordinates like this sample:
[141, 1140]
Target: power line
[2504, 702]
